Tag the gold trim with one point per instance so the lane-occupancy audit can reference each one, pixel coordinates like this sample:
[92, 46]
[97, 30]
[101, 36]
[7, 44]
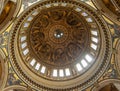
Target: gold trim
[12, 14]
[4, 69]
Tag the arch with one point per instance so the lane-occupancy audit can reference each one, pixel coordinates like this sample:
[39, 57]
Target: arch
[4, 69]
[8, 12]
[109, 8]
[16, 88]
[106, 83]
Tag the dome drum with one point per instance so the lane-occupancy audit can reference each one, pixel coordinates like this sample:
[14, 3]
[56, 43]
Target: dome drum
[56, 44]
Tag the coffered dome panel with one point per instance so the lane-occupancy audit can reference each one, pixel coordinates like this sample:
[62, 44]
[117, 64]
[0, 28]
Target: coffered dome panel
[56, 44]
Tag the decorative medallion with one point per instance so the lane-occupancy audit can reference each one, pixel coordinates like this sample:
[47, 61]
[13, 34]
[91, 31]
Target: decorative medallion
[56, 44]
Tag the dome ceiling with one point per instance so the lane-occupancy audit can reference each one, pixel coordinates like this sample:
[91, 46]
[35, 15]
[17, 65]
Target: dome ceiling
[58, 36]
[55, 45]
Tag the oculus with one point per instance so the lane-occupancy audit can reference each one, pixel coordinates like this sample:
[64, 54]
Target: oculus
[55, 45]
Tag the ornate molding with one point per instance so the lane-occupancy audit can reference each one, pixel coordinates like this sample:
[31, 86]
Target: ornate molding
[104, 83]
[117, 56]
[109, 8]
[4, 68]
[81, 82]
[15, 87]
[8, 13]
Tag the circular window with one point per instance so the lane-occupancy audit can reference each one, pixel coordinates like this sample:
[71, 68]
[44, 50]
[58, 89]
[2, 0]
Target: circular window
[57, 44]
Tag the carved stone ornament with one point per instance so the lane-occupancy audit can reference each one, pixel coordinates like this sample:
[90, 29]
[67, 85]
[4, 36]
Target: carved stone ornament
[3, 70]
[8, 12]
[60, 45]
[1, 5]
[109, 8]
[117, 56]
[107, 82]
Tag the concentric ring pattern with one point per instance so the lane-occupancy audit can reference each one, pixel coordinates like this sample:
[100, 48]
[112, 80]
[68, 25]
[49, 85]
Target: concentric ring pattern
[60, 45]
